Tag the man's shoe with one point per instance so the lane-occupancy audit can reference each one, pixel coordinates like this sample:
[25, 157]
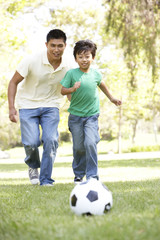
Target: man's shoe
[33, 175]
[78, 180]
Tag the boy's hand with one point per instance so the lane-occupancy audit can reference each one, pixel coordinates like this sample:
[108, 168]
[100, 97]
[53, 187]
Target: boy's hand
[116, 101]
[68, 91]
[76, 86]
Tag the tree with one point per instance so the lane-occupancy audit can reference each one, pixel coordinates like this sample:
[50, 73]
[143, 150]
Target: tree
[12, 44]
[136, 26]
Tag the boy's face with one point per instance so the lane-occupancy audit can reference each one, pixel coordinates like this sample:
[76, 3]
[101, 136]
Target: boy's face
[84, 60]
[55, 48]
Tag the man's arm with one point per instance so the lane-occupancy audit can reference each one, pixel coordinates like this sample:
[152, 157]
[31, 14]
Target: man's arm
[12, 89]
[105, 90]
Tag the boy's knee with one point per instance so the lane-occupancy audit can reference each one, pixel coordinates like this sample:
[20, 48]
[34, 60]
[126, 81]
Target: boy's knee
[90, 144]
[79, 150]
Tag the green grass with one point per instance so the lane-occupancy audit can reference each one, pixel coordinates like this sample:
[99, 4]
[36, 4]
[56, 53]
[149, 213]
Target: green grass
[41, 213]
[34, 212]
[149, 163]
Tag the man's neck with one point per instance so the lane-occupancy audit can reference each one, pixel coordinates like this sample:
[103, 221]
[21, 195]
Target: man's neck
[55, 63]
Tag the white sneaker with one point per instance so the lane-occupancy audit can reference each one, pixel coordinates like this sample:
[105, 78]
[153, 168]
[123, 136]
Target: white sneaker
[78, 180]
[33, 175]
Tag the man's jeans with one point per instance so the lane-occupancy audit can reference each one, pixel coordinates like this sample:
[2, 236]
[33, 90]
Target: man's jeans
[85, 138]
[30, 120]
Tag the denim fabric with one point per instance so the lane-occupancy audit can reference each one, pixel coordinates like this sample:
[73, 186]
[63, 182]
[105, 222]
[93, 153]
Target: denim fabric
[30, 121]
[85, 138]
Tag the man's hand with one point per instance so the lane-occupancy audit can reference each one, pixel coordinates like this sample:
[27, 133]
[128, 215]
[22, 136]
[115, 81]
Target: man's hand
[13, 115]
[12, 89]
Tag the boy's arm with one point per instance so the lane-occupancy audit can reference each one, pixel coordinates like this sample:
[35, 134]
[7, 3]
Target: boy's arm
[105, 90]
[66, 91]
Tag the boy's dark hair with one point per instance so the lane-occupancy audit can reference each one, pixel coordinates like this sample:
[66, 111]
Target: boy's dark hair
[56, 34]
[85, 46]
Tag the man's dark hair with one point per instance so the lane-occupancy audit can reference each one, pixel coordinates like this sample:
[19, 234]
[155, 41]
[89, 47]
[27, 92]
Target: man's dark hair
[56, 34]
[85, 46]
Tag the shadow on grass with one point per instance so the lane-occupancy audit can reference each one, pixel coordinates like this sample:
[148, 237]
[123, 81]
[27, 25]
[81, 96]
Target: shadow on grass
[131, 163]
[116, 187]
[13, 167]
[155, 163]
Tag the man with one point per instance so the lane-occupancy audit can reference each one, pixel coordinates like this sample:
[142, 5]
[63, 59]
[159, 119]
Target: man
[38, 98]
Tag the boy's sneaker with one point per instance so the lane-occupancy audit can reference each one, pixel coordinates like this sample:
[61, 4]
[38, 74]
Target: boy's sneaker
[33, 175]
[78, 180]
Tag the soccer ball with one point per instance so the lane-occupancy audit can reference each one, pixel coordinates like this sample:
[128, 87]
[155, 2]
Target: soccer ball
[91, 198]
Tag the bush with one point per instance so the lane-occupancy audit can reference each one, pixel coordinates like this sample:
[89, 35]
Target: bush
[64, 137]
[144, 148]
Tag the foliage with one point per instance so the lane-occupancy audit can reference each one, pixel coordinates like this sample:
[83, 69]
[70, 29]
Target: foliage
[127, 36]
[136, 26]
[73, 22]
[12, 44]
[144, 148]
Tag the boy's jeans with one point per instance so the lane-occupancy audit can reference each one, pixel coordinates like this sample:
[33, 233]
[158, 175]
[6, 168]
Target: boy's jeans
[85, 138]
[30, 119]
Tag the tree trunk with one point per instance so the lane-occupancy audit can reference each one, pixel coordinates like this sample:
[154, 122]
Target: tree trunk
[119, 131]
[134, 131]
[155, 128]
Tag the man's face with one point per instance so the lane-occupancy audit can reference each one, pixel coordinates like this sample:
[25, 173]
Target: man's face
[55, 48]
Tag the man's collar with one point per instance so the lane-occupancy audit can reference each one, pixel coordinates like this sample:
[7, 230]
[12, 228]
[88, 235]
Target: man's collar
[45, 58]
[45, 61]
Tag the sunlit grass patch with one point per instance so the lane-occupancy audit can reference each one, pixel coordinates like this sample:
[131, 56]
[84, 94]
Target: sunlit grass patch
[109, 170]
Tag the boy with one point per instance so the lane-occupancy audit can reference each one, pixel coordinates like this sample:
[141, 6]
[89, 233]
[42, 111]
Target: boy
[82, 84]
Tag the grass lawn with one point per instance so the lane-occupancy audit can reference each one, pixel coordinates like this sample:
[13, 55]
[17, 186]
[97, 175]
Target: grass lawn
[43, 213]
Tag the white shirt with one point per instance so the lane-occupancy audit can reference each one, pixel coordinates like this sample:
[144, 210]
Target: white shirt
[41, 84]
